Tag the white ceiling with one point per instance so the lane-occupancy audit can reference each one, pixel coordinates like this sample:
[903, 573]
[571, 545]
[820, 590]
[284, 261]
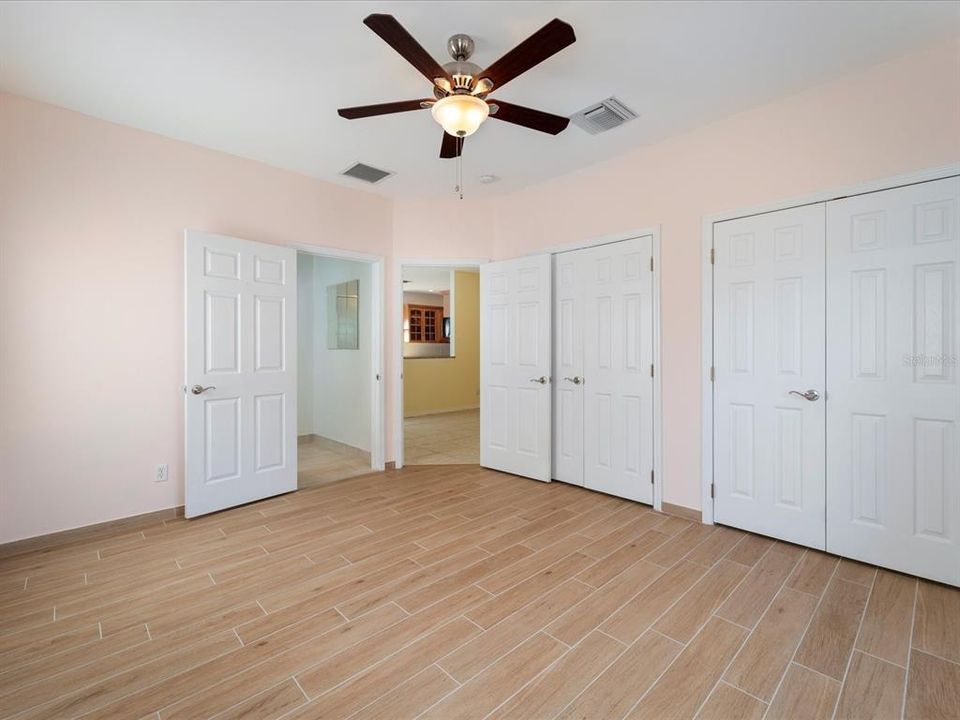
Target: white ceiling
[427, 279]
[263, 79]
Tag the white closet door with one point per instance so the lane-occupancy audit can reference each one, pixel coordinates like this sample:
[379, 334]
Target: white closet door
[515, 396]
[616, 289]
[241, 371]
[568, 368]
[892, 351]
[769, 334]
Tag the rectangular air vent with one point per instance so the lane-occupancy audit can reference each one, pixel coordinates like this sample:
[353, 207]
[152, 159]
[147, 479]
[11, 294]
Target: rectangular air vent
[603, 116]
[367, 173]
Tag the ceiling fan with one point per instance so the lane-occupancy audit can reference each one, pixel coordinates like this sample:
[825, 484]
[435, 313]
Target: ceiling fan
[460, 87]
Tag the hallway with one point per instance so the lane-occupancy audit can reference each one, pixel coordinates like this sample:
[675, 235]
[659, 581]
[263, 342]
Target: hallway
[443, 439]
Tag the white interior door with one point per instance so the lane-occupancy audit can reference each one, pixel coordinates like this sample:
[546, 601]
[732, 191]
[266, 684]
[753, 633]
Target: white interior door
[769, 334]
[568, 368]
[515, 397]
[892, 355]
[616, 291]
[241, 374]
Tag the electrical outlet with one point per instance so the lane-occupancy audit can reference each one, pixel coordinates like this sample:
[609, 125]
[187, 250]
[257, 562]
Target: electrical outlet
[161, 473]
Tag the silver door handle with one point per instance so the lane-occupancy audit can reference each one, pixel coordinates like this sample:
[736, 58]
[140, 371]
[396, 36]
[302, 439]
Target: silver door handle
[811, 395]
[576, 380]
[543, 380]
[197, 389]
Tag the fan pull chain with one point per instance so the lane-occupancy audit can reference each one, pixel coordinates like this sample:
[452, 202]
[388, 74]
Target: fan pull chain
[460, 166]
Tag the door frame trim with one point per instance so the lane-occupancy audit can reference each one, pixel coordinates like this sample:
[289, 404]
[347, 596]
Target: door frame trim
[706, 303]
[397, 326]
[378, 431]
[652, 231]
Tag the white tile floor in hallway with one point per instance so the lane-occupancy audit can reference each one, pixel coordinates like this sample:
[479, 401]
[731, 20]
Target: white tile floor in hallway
[443, 439]
[321, 460]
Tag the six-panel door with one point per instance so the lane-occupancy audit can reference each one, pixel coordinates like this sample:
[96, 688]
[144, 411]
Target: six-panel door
[769, 344]
[893, 478]
[240, 384]
[515, 398]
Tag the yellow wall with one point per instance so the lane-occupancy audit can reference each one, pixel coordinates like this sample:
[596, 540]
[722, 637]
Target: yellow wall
[435, 385]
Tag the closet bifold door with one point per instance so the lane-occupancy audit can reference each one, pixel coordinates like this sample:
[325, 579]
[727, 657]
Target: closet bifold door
[893, 478]
[769, 410]
[616, 290]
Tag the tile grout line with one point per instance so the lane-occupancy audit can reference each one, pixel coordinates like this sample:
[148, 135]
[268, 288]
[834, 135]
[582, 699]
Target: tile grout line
[853, 647]
[63, 697]
[741, 690]
[384, 659]
[913, 622]
[786, 670]
[541, 629]
[300, 687]
[877, 657]
[933, 655]
[817, 672]
[570, 648]
[746, 637]
[657, 619]
[598, 630]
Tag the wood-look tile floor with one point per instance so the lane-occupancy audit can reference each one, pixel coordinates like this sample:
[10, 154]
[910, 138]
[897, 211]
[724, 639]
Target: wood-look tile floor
[456, 592]
[442, 439]
[321, 460]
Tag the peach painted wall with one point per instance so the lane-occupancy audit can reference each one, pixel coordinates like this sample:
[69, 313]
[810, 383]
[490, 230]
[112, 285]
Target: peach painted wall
[91, 300]
[894, 118]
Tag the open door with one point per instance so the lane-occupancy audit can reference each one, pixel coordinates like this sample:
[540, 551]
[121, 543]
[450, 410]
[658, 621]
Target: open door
[240, 386]
[515, 361]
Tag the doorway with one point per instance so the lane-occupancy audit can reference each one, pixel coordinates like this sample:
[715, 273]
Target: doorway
[335, 394]
[439, 398]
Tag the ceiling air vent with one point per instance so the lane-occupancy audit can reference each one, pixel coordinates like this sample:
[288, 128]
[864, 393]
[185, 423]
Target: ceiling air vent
[603, 116]
[368, 174]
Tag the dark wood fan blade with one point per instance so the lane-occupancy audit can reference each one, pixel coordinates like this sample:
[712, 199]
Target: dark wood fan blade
[362, 111]
[396, 36]
[533, 119]
[451, 146]
[548, 40]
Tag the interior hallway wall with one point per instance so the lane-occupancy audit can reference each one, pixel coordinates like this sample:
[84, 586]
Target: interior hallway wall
[341, 401]
[893, 118]
[306, 360]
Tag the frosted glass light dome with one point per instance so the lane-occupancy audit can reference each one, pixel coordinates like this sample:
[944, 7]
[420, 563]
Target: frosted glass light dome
[460, 115]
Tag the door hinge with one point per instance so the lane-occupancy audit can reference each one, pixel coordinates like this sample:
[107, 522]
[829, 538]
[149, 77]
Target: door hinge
[713, 489]
[651, 370]
[713, 374]
[713, 256]
[651, 263]
[651, 477]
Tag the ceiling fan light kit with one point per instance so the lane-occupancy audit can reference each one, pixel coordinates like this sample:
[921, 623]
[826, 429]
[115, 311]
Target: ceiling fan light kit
[460, 115]
[460, 88]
